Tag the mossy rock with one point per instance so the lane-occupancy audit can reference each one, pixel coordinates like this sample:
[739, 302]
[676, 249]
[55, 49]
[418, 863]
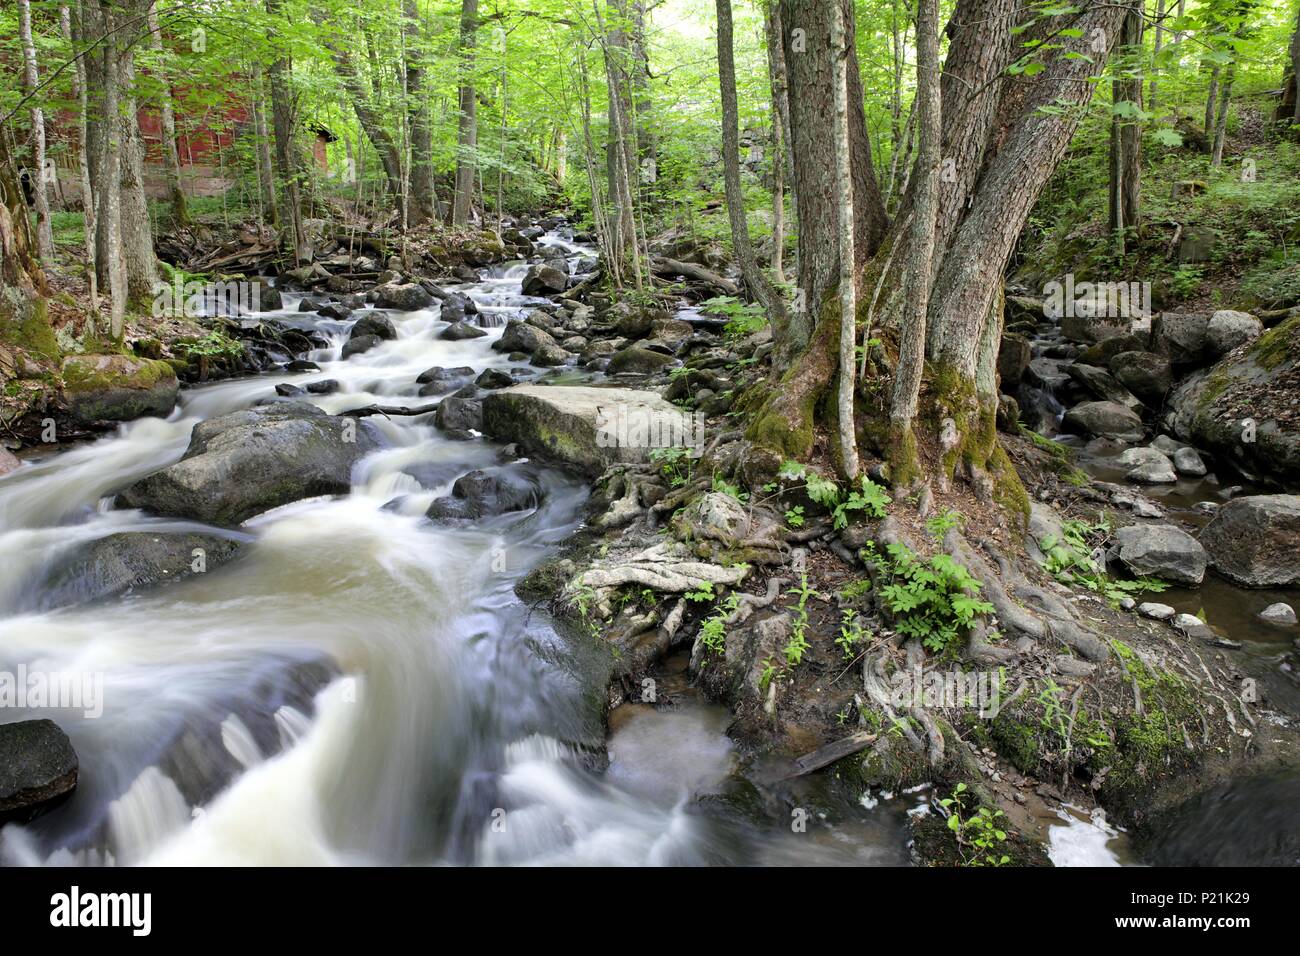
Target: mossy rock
[117, 388]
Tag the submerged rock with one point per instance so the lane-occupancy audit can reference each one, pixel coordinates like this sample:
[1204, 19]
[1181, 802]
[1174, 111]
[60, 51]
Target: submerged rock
[482, 494]
[117, 388]
[37, 768]
[244, 463]
[1255, 540]
[130, 560]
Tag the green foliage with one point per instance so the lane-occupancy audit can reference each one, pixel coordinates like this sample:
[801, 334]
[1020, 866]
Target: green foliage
[851, 633]
[978, 834]
[798, 642]
[1071, 561]
[743, 318]
[933, 599]
[868, 498]
[674, 463]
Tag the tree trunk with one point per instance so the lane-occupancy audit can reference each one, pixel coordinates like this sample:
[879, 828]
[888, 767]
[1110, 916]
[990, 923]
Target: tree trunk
[810, 60]
[1221, 121]
[101, 36]
[918, 269]
[780, 128]
[288, 163]
[620, 149]
[83, 166]
[756, 284]
[1155, 54]
[265, 171]
[848, 264]
[39, 175]
[1126, 137]
[136, 229]
[467, 135]
[1210, 98]
[423, 206]
[1289, 109]
[171, 158]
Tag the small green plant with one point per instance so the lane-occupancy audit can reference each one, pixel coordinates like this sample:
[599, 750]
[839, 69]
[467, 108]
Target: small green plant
[704, 592]
[743, 318]
[938, 525]
[851, 633]
[868, 498]
[1071, 561]
[932, 599]
[798, 644]
[855, 590]
[722, 486]
[770, 670]
[674, 463]
[794, 516]
[978, 835]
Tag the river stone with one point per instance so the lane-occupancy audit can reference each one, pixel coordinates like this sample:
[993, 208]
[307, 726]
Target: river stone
[1166, 445]
[1193, 626]
[8, 461]
[1280, 614]
[585, 427]
[359, 344]
[1145, 374]
[549, 356]
[1046, 373]
[408, 297]
[1100, 383]
[545, 279]
[1229, 329]
[244, 463]
[131, 560]
[459, 416]
[638, 361]
[482, 494]
[1157, 612]
[1106, 420]
[1162, 550]
[522, 337]
[1243, 410]
[1013, 358]
[374, 324]
[1188, 462]
[1255, 540]
[494, 378]
[458, 331]
[1181, 337]
[117, 388]
[37, 768]
[1132, 457]
[1153, 473]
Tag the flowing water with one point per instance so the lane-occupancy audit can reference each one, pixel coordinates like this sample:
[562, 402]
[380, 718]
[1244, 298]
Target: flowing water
[362, 685]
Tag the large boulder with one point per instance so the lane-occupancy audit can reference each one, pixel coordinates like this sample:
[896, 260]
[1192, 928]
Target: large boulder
[638, 361]
[131, 560]
[587, 428]
[545, 279]
[482, 494]
[376, 324]
[1100, 384]
[408, 297]
[38, 767]
[1145, 374]
[1106, 420]
[1013, 358]
[244, 463]
[522, 337]
[1245, 409]
[1162, 550]
[117, 388]
[1182, 338]
[1255, 540]
[1228, 330]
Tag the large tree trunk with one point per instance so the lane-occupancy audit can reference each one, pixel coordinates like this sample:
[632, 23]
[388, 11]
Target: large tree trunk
[423, 205]
[171, 157]
[809, 57]
[621, 147]
[101, 34]
[1289, 108]
[39, 174]
[288, 163]
[136, 229]
[22, 281]
[1126, 137]
[262, 148]
[780, 132]
[467, 128]
[759, 289]
[848, 264]
[83, 166]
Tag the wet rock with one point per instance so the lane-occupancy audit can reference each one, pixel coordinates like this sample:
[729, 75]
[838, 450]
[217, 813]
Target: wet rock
[244, 463]
[1193, 626]
[38, 768]
[1132, 457]
[8, 461]
[1280, 614]
[325, 386]
[634, 322]
[1255, 540]
[301, 365]
[522, 337]
[1157, 612]
[409, 297]
[359, 344]
[482, 494]
[335, 310]
[545, 279]
[373, 323]
[1229, 329]
[459, 415]
[1100, 384]
[494, 378]
[440, 374]
[549, 356]
[1153, 473]
[455, 307]
[117, 388]
[289, 390]
[1188, 462]
[1106, 420]
[587, 428]
[312, 303]
[130, 560]
[1161, 550]
[1047, 373]
[638, 361]
[459, 331]
[1166, 445]
[1145, 374]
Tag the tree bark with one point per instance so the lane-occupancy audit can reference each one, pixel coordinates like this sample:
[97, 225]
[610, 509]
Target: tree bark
[756, 283]
[31, 79]
[83, 165]
[288, 163]
[101, 26]
[848, 263]
[423, 206]
[780, 132]
[265, 170]
[136, 229]
[171, 158]
[467, 127]
[1126, 137]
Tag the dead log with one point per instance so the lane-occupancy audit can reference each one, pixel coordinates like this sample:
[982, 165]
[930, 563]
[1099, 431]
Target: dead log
[671, 268]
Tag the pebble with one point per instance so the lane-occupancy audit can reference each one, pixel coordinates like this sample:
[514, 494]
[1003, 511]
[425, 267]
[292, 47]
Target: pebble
[1157, 612]
[1280, 614]
[1193, 626]
[1127, 604]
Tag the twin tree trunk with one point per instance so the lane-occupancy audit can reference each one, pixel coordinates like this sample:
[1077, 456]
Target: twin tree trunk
[467, 136]
[996, 151]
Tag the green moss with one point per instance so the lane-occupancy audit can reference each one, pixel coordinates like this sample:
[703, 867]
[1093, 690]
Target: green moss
[30, 330]
[81, 376]
[1278, 345]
